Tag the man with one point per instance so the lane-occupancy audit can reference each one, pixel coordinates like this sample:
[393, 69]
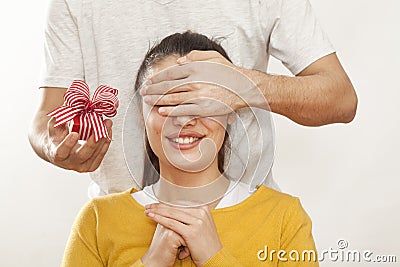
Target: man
[103, 42]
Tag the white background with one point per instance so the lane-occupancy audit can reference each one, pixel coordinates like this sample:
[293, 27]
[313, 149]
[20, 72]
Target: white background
[346, 175]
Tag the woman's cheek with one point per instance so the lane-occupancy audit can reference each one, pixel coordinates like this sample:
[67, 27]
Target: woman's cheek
[217, 127]
[154, 125]
[155, 121]
[154, 137]
[216, 123]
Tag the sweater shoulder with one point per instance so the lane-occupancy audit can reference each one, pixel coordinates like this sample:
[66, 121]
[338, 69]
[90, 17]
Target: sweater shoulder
[108, 202]
[272, 195]
[268, 201]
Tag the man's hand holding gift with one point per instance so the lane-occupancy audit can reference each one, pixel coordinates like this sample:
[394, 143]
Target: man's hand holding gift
[81, 118]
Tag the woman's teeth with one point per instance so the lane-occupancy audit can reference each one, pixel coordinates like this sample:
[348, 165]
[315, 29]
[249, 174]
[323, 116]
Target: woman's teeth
[185, 141]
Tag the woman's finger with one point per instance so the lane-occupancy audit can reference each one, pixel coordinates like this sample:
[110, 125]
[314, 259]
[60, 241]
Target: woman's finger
[183, 253]
[172, 224]
[184, 216]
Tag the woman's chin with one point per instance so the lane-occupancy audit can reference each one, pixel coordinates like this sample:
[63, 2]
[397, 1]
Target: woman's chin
[189, 162]
[188, 157]
[182, 153]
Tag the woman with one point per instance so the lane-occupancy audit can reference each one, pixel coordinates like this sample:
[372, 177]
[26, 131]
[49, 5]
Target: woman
[224, 225]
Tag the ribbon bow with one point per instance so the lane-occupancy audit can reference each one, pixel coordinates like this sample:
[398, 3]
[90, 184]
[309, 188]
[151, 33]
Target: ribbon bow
[85, 112]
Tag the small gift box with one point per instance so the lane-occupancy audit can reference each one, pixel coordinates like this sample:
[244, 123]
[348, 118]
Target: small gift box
[85, 115]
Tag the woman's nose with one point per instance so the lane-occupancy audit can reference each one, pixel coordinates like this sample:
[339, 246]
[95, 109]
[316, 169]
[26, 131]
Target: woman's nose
[184, 121]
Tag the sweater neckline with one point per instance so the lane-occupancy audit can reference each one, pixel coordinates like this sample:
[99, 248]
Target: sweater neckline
[244, 203]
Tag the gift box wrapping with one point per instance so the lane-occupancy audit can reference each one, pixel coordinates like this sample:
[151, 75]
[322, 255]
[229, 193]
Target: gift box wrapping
[84, 115]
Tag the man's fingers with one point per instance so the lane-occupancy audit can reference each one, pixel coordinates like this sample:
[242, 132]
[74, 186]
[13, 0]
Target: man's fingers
[94, 162]
[170, 99]
[57, 134]
[172, 73]
[71, 155]
[64, 149]
[182, 110]
[108, 123]
[98, 157]
[197, 55]
[167, 87]
[86, 151]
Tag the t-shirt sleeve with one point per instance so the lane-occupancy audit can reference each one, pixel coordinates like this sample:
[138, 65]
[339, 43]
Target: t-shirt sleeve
[62, 61]
[81, 249]
[296, 239]
[297, 39]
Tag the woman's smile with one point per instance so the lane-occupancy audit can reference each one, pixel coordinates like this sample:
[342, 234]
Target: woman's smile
[185, 140]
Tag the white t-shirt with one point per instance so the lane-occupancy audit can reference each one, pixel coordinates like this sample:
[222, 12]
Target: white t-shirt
[104, 42]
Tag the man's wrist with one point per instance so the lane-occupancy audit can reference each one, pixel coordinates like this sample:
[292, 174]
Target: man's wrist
[255, 94]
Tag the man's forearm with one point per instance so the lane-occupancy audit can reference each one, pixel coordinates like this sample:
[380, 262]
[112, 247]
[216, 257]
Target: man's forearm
[312, 99]
[51, 98]
[37, 134]
[309, 100]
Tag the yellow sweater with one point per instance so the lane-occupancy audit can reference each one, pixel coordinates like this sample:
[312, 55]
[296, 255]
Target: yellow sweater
[113, 231]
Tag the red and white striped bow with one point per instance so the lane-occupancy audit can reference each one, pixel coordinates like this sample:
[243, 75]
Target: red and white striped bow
[86, 114]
